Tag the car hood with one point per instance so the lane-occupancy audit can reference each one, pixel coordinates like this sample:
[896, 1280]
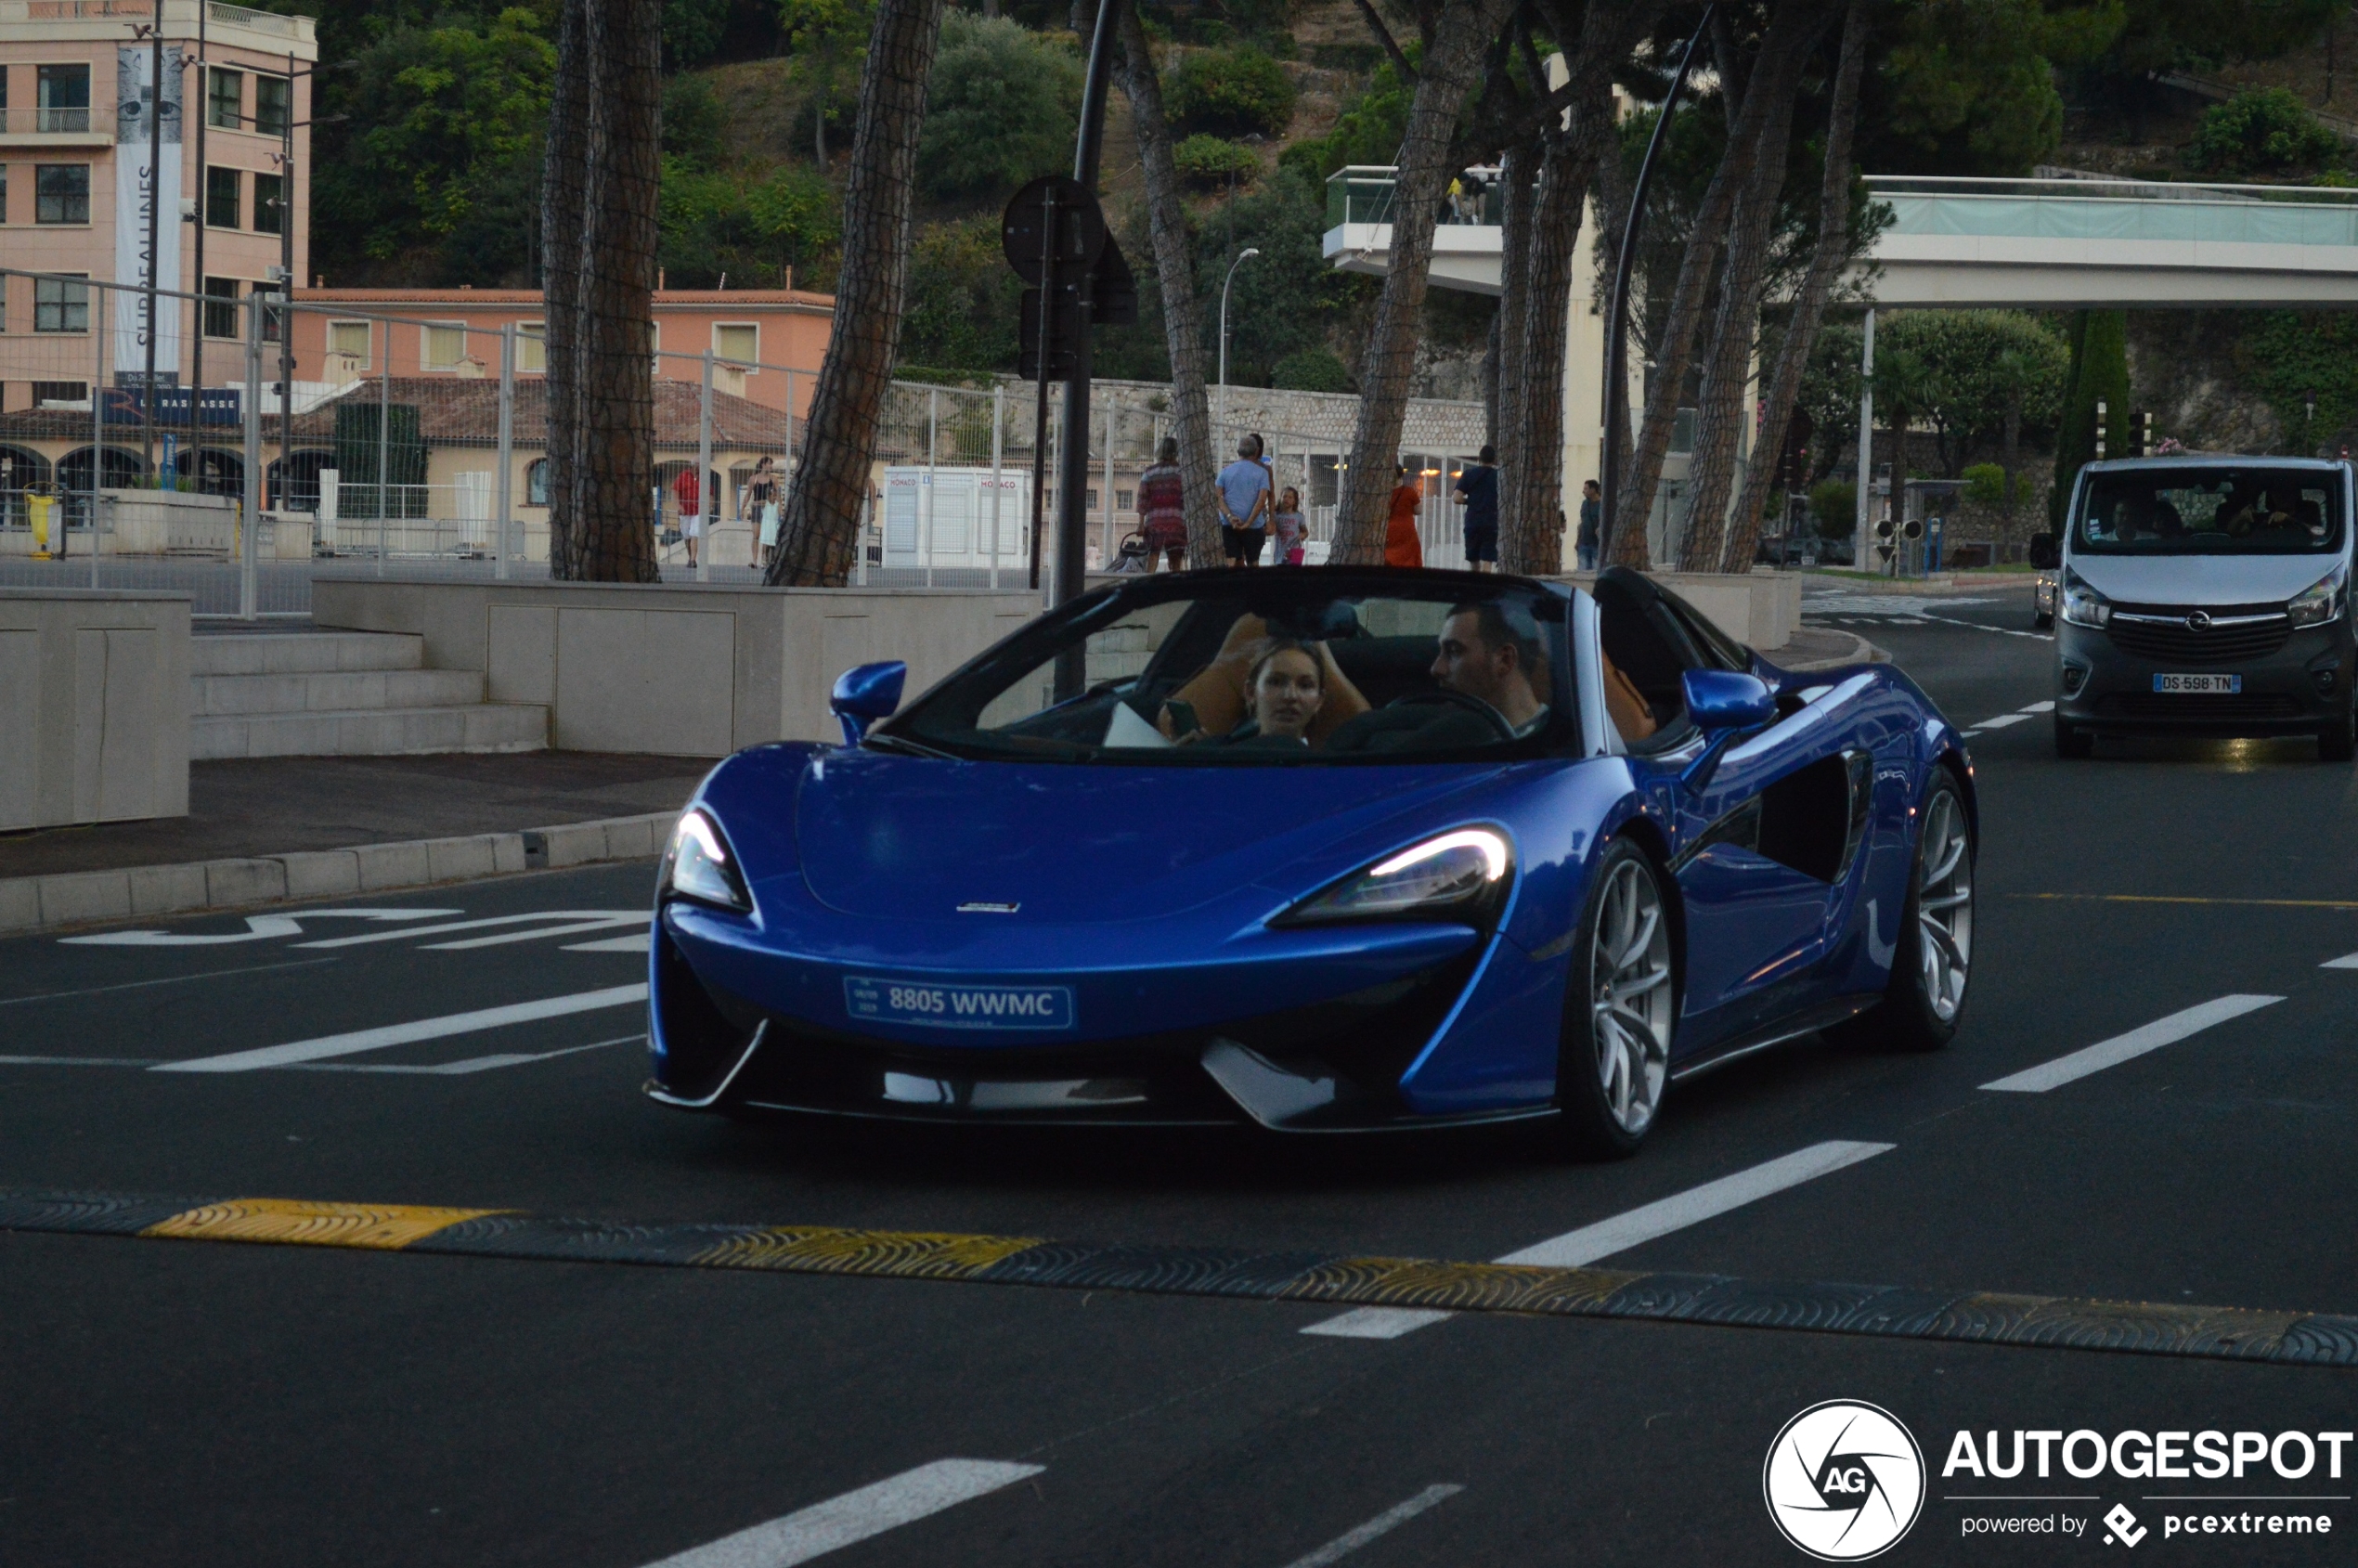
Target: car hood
[2200, 579]
[911, 839]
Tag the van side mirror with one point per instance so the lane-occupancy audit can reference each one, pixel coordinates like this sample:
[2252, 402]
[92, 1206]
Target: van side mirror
[864, 693]
[2042, 552]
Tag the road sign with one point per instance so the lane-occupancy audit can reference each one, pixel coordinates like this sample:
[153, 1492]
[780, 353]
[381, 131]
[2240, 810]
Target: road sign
[1064, 333]
[1113, 290]
[1079, 227]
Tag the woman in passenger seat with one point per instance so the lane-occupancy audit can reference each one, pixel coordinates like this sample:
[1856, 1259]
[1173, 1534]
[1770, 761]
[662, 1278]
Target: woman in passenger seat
[1283, 693]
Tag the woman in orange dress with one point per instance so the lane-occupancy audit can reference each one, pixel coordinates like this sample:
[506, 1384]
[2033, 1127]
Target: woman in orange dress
[1401, 545]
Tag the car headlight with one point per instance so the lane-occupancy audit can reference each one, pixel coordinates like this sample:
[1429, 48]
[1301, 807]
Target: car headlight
[2320, 600]
[1460, 875]
[2083, 605]
[698, 867]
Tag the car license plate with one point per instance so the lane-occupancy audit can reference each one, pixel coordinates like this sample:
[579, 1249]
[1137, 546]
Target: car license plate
[933, 1005]
[2223, 685]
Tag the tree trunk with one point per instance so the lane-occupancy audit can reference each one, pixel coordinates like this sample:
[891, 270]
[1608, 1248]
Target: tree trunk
[1183, 333]
[602, 266]
[1450, 65]
[819, 537]
[1722, 411]
[2012, 450]
[1516, 193]
[1696, 268]
[819, 108]
[1809, 303]
[560, 261]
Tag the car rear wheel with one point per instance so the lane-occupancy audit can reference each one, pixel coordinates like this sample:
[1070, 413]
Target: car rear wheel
[2074, 744]
[1933, 958]
[1620, 1006]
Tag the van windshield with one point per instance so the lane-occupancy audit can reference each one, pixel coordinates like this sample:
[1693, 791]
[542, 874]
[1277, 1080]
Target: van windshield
[1251, 669]
[2234, 509]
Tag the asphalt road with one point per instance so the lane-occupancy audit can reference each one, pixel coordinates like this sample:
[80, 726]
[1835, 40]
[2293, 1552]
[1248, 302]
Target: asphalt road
[174, 1403]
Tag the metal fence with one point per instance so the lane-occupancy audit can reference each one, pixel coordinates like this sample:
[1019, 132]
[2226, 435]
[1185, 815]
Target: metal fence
[177, 458]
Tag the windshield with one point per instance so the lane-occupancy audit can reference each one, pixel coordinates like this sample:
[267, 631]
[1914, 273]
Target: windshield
[2234, 509]
[1249, 669]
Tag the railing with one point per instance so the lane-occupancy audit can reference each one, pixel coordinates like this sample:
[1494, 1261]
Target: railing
[45, 121]
[1362, 193]
[100, 10]
[2071, 209]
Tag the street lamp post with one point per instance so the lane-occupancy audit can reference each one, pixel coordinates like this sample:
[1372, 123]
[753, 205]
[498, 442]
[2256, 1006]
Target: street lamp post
[1242, 256]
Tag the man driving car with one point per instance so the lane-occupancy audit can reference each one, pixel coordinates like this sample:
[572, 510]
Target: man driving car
[1484, 658]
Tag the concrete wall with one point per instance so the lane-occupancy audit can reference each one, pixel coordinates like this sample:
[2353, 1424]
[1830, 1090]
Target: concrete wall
[94, 705]
[685, 669]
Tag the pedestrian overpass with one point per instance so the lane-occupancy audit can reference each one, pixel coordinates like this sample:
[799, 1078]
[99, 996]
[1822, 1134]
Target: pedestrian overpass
[1961, 243]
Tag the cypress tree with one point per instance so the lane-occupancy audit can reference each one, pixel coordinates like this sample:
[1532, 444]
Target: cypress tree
[2099, 374]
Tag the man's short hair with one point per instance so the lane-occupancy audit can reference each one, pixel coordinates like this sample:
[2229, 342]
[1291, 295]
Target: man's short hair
[1250, 448]
[1489, 454]
[1590, 484]
[1504, 624]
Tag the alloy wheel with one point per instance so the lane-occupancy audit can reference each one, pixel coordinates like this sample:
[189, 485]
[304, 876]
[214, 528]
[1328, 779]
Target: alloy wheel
[1631, 995]
[1944, 904]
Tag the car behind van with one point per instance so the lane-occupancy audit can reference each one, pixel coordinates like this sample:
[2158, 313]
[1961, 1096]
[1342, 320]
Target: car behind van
[2208, 594]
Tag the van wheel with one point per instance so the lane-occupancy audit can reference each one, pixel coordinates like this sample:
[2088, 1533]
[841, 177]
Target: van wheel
[2337, 741]
[2074, 744]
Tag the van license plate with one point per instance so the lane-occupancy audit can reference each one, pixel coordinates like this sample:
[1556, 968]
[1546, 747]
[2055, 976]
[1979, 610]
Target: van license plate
[958, 1006]
[2223, 685]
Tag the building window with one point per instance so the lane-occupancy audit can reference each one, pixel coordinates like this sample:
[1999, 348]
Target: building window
[1091, 504]
[64, 93]
[225, 100]
[273, 316]
[535, 483]
[221, 320]
[221, 193]
[445, 346]
[59, 306]
[60, 392]
[271, 98]
[532, 348]
[61, 193]
[738, 344]
[349, 340]
[1125, 501]
[270, 196]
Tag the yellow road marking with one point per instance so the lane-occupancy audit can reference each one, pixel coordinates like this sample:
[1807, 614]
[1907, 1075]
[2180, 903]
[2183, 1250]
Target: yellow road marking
[2161, 898]
[920, 1255]
[292, 1221]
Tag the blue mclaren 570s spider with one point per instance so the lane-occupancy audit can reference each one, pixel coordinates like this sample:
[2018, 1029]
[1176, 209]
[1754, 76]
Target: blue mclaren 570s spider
[1329, 849]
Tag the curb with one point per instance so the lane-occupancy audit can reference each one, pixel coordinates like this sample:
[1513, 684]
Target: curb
[76, 897]
[1860, 651]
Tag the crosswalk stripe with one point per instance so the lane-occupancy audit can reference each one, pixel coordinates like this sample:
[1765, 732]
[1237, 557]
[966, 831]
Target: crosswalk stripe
[357, 1041]
[855, 1516]
[1577, 1248]
[539, 932]
[2126, 1047]
[409, 932]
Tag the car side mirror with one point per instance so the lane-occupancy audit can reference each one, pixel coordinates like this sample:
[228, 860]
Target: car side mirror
[2042, 552]
[864, 693]
[1723, 699]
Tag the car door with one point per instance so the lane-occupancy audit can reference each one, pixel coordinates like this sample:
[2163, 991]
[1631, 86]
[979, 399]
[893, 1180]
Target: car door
[1760, 838]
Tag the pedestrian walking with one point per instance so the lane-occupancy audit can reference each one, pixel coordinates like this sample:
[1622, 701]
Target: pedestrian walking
[1162, 509]
[1592, 521]
[761, 502]
[1290, 530]
[1401, 545]
[1478, 489]
[688, 491]
[1244, 504]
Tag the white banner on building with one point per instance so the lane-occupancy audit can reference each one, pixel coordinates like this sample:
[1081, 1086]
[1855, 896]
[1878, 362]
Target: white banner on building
[146, 214]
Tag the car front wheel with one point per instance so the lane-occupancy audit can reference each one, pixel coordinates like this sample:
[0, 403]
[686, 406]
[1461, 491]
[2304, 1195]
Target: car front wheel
[1620, 1006]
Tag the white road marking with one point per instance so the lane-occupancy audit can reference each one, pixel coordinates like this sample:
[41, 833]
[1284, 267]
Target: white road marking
[472, 1064]
[856, 1516]
[77, 1061]
[2002, 721]
[541, 914]
[1648, 1222]
[636, 918]
[2040, 708]
[2126, 1047]
[168, 979]
[612, 944]
[259, 928]
[1383, 1523]
[2347, 961]
[361, 1039]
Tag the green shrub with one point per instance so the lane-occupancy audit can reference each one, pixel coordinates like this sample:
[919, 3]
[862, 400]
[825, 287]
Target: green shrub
[1834, 502]
[1230, 93]
[1986, 485]
[694, 122]
[1310, 369]
[1001, 107]
[1208, 162]
[2267, 129]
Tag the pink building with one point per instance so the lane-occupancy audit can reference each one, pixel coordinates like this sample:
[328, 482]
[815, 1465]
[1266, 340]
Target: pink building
[767, 344]
[232, 190]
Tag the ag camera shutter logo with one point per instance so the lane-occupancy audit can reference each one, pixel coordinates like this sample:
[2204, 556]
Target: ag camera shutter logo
[1845, 1480]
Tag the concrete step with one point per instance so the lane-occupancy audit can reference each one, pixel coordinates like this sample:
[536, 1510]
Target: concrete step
[301, 653]
[393, 732]
[333, 690]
